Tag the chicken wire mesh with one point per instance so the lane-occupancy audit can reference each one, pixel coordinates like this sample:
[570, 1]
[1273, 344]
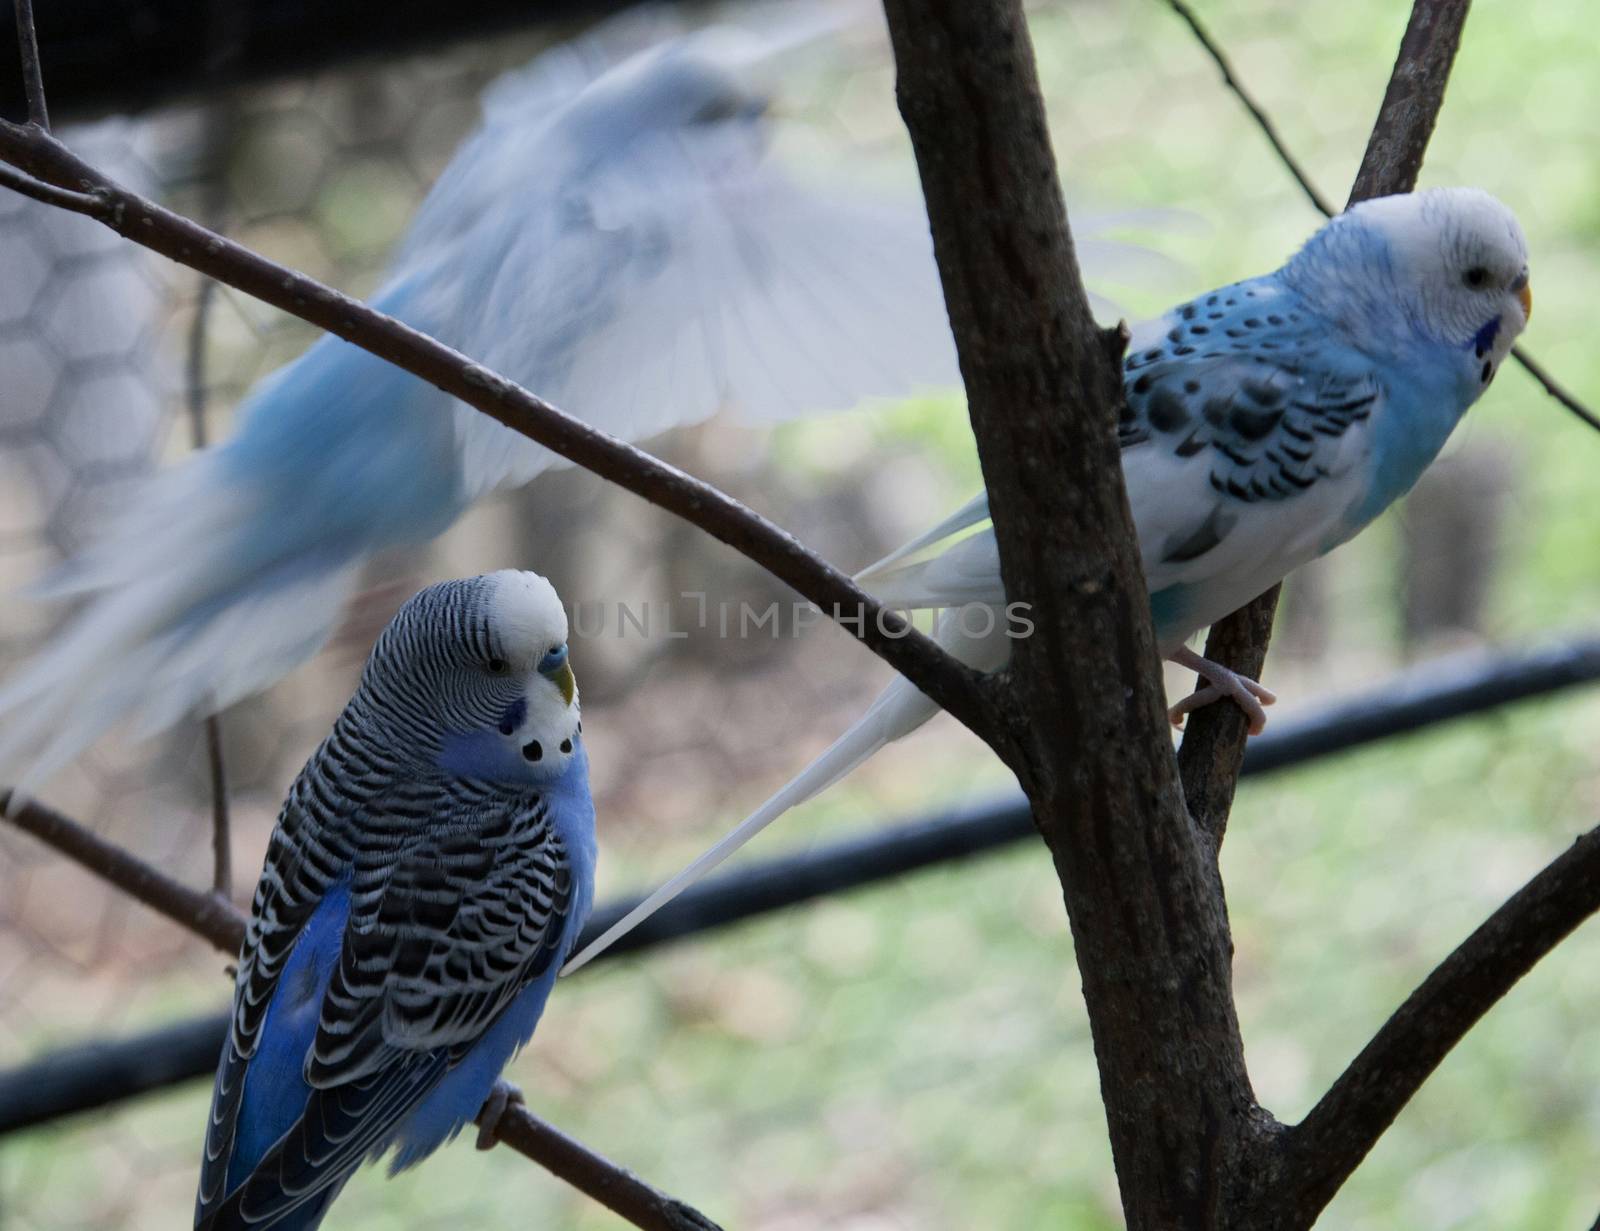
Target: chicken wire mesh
[914, 1055]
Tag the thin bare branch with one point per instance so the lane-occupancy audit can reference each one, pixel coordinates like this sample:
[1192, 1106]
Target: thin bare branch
[1347, 1122]
[1213, 744]
[27, 186]
[219, 922]
[1263, 121]
[1554, 389]
[953, 686]
[614, 1187]
[32, 73]
[202, 913]
[217, 127]
[221, 821]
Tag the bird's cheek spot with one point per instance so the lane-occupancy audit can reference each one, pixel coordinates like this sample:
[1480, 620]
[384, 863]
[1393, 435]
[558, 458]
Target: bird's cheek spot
[1484, 338]
[514, 715]
[566, 745]
[533, 750]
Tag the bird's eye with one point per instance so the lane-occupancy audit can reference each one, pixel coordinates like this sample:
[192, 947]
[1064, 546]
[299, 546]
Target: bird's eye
[498, 666]
[1476, 277]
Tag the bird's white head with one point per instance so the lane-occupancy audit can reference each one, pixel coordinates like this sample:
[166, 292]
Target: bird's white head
[475, 672]
[1448, 266]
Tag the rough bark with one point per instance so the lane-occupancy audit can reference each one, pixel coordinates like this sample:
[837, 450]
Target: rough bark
[1088, 729]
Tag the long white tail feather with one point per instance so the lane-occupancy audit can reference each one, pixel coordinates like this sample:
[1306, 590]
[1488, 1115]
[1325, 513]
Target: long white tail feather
[899, 710]
[966, 572]
[172, 623]
[969, 514]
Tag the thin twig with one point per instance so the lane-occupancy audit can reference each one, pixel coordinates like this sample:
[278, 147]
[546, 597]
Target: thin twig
[38, 190]
[221, 826]
[32, 73]
[1263, 121]
[953, 686]
[1555, 390]
[614, 1187]
[223, 925]
[203, 914]
[217, 128]
[1349, 1119]
[1292, 165]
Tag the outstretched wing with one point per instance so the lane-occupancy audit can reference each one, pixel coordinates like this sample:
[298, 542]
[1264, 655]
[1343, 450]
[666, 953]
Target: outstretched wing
[671, 272]
[439, 943]
[693, 276]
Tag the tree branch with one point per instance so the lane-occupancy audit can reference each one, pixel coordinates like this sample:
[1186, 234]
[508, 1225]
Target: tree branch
[32, 74]
[1257, 112]
[216, 130]
[1537, 370]
[1347, 1122]
[1411, 103]
[956, 688]
[27, 186]
[202, 913]
[1213, 745]
[219, 922]
[1084, 691]
[614, 1187]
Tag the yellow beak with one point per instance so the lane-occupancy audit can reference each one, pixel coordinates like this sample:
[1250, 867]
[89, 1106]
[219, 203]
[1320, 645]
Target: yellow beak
[566, 682]
[1525, 298]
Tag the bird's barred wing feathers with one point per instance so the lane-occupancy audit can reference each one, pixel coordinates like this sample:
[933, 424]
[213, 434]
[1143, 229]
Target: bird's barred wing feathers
[446, 927]
[1238, 412]
[443, 937]
[340, 1127]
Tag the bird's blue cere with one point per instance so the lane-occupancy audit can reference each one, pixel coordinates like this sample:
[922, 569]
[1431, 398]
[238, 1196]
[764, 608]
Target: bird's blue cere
[554, 660]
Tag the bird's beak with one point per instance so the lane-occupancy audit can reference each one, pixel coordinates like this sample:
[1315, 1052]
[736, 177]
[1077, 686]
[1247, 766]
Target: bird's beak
[1525, 298]
[566, 682]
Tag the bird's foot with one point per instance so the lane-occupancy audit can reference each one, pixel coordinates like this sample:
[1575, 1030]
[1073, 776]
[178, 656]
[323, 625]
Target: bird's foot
[501, 1097]
[1221, 683]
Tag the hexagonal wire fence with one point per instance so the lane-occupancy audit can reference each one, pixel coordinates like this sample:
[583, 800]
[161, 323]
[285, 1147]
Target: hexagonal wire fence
[914, 1054]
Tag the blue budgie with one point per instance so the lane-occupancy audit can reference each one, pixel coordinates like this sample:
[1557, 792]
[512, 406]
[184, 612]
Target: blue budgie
[617, 240]
[1266, 423]
[431, 867]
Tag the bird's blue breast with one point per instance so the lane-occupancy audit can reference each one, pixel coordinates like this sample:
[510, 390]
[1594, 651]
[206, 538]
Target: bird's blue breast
[1424, 402]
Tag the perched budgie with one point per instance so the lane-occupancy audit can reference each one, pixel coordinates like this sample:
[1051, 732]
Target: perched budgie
[620, 243]
[430, 869]
[1266, 423]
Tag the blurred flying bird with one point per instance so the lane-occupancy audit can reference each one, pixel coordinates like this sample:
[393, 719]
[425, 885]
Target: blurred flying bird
[1265, 424]
[614, 239]
[430, 869]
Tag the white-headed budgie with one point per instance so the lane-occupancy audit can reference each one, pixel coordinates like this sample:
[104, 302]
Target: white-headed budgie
[1266, 423]
[616, 239]
[431, 867]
